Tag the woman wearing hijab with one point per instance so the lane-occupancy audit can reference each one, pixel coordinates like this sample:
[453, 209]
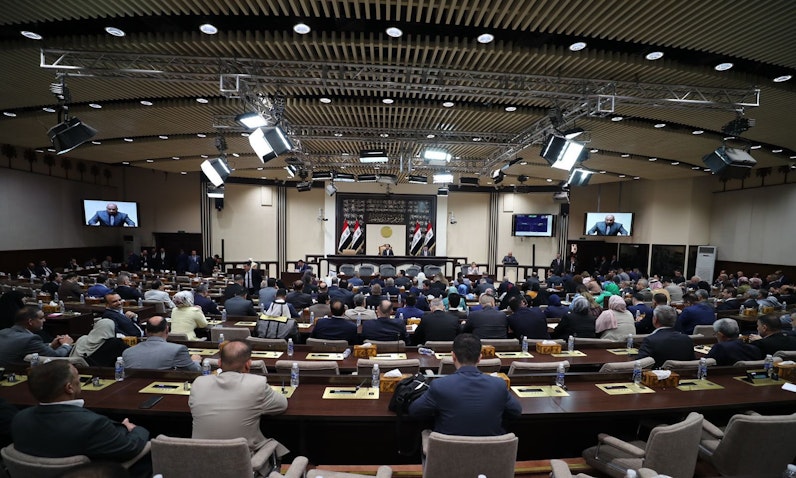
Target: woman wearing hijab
[186, 317]
[100, 347]
[616, 323]
[577, 322]
[554, 308]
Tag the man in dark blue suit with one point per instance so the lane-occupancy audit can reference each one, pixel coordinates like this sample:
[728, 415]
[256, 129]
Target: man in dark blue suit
[336, 327]
[126, 322]
[467, 402]
[665, 343]
[609, 227]
[527, 321]
[698, 312]
[384, 328]
[730, 348]
[111, 217]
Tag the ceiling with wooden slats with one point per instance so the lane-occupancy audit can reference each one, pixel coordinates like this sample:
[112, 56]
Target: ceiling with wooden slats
[487, 104]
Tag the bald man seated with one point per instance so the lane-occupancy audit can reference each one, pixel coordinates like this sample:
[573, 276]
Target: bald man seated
[157, 354]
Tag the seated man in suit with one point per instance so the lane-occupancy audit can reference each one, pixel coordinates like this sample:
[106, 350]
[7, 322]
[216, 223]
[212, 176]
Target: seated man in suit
[20, 340]
[467, 402]
[698, 311]
[158, 293]
[509, 259]
[336, 327]
[157, 354]
[201, 297]
[125, 288]
[437, 325]
[126, 322]
[527, 321]
[769, 338]
[111, 217]
[59, 426]
[70, 290]
[488, 322]
[730, 348]
[384, 328]
[239, 305]
[297, 298]
[665, 343]
[230, 404]
[360, 312]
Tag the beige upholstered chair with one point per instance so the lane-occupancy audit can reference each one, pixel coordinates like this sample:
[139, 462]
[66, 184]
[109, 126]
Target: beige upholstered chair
[786, 354]
[295, 470]
[754, 363]
[78, 362]
[229, 333]
[315, 367]
[485, 365]
[258, 343]
[385, 346]
[383, 472]
[531, 368]
[258, 366]
[503, 345]
[178, 337]
[452, 456]
[231, 458]
[323, 345]
[608, 367]
[750, 444]
[686, 364]
[670, 450]
[22, 465]
[704, 330]
[159, 305]
[365, 366]
[597, 341]
[561, 470]
[440, 346]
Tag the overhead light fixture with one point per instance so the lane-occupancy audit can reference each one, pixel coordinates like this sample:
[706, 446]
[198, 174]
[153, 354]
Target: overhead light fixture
[510, 108]
[442, 178]
[304, 186]
[388, 101]
[70, 134]
[117, 32]
[572, 133]
[10, 114]
[436, 156]
[442, 191]
[394, 32]
[251, 120]
[373, 156]
[36, 36]
[468, 181]
[497, 176]
[579, 177]
[301, 28]
[485, 38]
[783, 78]
[723, 66]
[204, 101]
[577, 46]
[291, 169]
[617, 118]
[562, 153]
[417, 179]
[217, 170]
[330, 189]
[322, 175]
[654, 55]
[208, 29]
[344, 178]
[325, 100]
[367, 178]
[269, 143]
[660, 125]
[216, 193]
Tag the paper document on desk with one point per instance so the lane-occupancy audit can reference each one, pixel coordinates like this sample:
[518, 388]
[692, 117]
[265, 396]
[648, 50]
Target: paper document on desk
[19, 379]
[324, 356]
[513, 355]
[203, 352]
[351, 393]
[702, 349]
[167, 388]
[566, 353]
[696, 385]
[535, 391]
[625, 351]
[87, 384]
[244, 323]
[269, 354]
[626, 388]
[389, 356]
[304, 326]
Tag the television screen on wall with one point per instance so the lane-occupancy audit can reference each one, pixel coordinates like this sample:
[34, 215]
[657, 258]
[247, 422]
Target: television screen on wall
[532, 225]
[110, 213]
[609, 224]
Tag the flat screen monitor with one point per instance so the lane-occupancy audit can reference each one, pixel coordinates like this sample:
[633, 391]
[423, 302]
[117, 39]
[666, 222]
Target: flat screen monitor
[532, 225]
[110, 213]
[609, 224]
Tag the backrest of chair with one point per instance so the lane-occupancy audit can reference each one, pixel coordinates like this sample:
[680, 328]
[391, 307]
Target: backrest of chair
[365, 366]
[440, 346]
[173, 456]
[431, 270]
[314, 367]
[348, 269]
[366, 270]
[323, 345]
[754, 363]
[257, 367]
[258, 343]
[451, 456]
[531, 368]
[485, 365]
[596, 341]
[608, 367]
[229, 333]
[756, 445]
[704, 330]
[786, 354]
[78, 362]
[672, 449]
[22, 465]
[503, 345]
[387, 345]
[412, 271]
[178, 337]
[387, 270]
[685, 364]
[160, 306]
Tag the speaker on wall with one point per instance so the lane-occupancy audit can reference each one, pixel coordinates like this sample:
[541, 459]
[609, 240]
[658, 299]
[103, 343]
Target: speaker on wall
[730, 162]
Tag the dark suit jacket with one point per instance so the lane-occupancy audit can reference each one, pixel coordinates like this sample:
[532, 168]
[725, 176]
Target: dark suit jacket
[529, 322]
[69, 290]
[195, 264]
[128, 293]
[239, 306]
[336, 328]
[578, 325]
[487, 324]
[731, 351]
[16, 342]
[644, 326]
[207, 304]
[602, 229]
[776, 342]
[468, 403]
[123, 324]
[103, 219]
[300, 300]
[55, 431]
[384, 328]
[697, 314]
[665, 344]
[256, 279]
[344, 295]
[557, 266]
[438, 325]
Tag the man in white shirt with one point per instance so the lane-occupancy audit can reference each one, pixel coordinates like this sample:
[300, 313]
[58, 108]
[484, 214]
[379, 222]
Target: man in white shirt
[158, 292]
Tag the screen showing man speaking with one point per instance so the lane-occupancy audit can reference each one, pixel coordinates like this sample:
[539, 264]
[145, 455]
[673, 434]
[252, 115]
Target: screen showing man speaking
[101, 212]
[609, 224]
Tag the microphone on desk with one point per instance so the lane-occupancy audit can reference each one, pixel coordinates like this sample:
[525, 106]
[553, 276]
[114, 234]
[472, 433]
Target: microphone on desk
[361, 384]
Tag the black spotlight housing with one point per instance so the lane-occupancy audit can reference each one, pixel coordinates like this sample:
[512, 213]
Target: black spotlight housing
[70, 134]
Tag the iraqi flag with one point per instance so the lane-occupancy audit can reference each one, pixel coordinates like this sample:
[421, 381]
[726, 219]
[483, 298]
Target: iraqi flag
[417, 241]
[429, 241]
[357, 238]
[345, 237]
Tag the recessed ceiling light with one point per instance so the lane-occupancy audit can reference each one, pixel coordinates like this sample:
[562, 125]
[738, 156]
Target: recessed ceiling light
[549, 180]
[301, 28]
[477, 139]
[654, 55]
[727, 138]
[384, 135]
[126, 163]
[625, 155]
[51, 150]
[756, 146]
[707, 170]
[660, 125]
[260, 168]
[448, 104]
[602, 171]
[263, 177]
[129, 140]
[577, 46]
[201, 135]
[430, 136]
[388, 101]
[163, 136]
[245, 135]
[31, 35]
[510, 108]
[617, 118]
[696, 168]
[653, 159]
[204, 156]
[146, 102]
[636, 177]
[9, 114]
[202, 100]
[776, 150]
[337, 135]
[150, 160]
[697, 131]
[622, 176]
[325, 100]
[594, 150]
[175, 157]
[485, 38]
[782, 78]
[208, 29]
[48, 109]
[675, 163]
[96, 142]
[183, 172]
[394, 32]
[792, 157]
[236, 155]
[523, 163]
[117, 32]
[95, 105]
[723, 66]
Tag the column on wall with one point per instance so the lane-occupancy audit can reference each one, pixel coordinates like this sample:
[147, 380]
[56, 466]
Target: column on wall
[281, 228]
[494, 212]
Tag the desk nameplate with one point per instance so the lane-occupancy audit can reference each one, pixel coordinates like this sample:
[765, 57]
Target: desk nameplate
[324, 356]
[531, 391]
[697, 385]
[267, 354]
[283, 390]
[167, 388]
[513, 355]
[626, 388]
[625, 351]
[244, 323]
[389, 356]
[351, 393]
[203, 352]
[574, 353]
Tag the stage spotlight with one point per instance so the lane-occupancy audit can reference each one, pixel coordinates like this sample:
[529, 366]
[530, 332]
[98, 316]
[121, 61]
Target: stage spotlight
[216, 170]
[417, 179]
[344, 178]
[497, 176]
[442, 191]
[269, 143]
[729, 162]
[70, 134]
[562, 153]
[367, 178]
[468, 181]
[436, 156]
[331, 189]
[579, 177]
[304, 186]
[251, 120]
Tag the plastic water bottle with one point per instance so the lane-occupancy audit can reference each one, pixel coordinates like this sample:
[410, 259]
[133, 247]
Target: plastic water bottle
[346, 353]
[768, 364]
[41, 304]
[290, 347]
[790, 472]
[388, 296]
[312, 317]
[560, 374]
[140, 302]
[524, 344]
[401, 316]
[375, 378]
[294, 375]
[638, 312]
[425, 351]
[82, 299]
[571, 344]
[55, 297]
[220, 340]
[702, 371]
[206, 367]
[631, 474]
[743, 309]
[61, 306]
[34, 360]
[359, 319]
[224, 315]
[629, 342]
[636, 372]
[119, 369]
